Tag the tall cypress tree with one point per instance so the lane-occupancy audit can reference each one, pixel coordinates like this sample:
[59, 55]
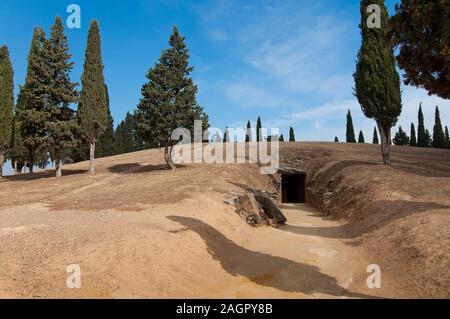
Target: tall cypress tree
[377, 83]
[33, 114]
[447, 137]
[169, 98]
[258, 130]
[361, 137]
[6, 104]
[291, 135]
[105, 144]
[92, 109]
[248, 135]
[17, 153]
[63, 130]
[428, 139]
[226, 136]
[375, 136]
[124, 136]
[413, 140]
[438, 133]
[421, 135]
[350, 133]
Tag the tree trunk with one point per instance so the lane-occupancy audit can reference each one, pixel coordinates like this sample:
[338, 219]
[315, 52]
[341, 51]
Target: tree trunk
[168, 157]
[385, 135]
[58, 172]
[30, 162]
[15, 167]
[2, 157]
[91, 157]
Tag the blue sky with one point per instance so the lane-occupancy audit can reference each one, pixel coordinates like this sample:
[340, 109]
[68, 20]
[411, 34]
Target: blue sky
[290, 61]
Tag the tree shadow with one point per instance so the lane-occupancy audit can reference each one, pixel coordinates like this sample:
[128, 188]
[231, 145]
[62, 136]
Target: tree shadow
[42, 175]
[261, 268]
[378, 215]
[136, 168]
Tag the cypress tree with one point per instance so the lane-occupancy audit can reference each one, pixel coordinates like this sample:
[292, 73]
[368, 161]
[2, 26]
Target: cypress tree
[438, 133]
[17, 153]
[281, 138]
[226, 136]
[375, 136]
[421, 136]
[32, 112]
[336, 140]
[428, 139]
[92, 109]
[361, 137]
[105, 144]
[377, 83]
[258, 130]
[169, 98]
[124, 136]
[6, 104]
[291, 135]
[413, 140]
[447, 137]
[63, 130]
[400, 138]
[248, 135]
[350, 134]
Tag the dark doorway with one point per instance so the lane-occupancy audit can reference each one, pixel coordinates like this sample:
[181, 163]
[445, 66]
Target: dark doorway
[293, 188]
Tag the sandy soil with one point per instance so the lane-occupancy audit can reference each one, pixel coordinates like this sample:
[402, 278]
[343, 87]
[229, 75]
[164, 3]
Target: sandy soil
[138, 230]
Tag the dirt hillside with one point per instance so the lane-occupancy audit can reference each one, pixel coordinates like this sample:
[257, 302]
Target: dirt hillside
[139, 230]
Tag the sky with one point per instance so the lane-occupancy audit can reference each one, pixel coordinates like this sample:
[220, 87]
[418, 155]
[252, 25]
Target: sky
[290, 62]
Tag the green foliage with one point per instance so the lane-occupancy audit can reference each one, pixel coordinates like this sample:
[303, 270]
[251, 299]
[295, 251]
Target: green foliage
[281, 138]
[62, 127]
[336, 140]
[258, 130]
[439, 140]
[361, 138]
[375, 136]
[291, 135]
[413, 140]
[248, 135]
[105, 144]
[6, 101]
[32, 104]
[169, 98]
[421, 30]
[447, 137]
[350, 133]
[421, 134]
[92, 109]
[401, 138]
[428, 139]
[226, 136]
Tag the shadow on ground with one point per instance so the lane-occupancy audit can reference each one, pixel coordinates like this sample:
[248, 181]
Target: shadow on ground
[46, 174]
[136, 168]
[384, 212]
[261, 268]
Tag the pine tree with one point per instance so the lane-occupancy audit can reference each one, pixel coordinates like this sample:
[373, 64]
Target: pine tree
[124, 136]
[17, 153]
[350, 134]
[169, 98]
[92, 109]
[258, 130]
[226, 136]
[401, 138]
[63, 130]
[248, 135]
[32, 112]
[421, 136]
[447, 137]
[105, 144]
[377, 83]
[336, 140]
[375, 136]
[6, 104]
[428, 140]
[361, 138]
[291, 135]
[438, 133]
[413, 140]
